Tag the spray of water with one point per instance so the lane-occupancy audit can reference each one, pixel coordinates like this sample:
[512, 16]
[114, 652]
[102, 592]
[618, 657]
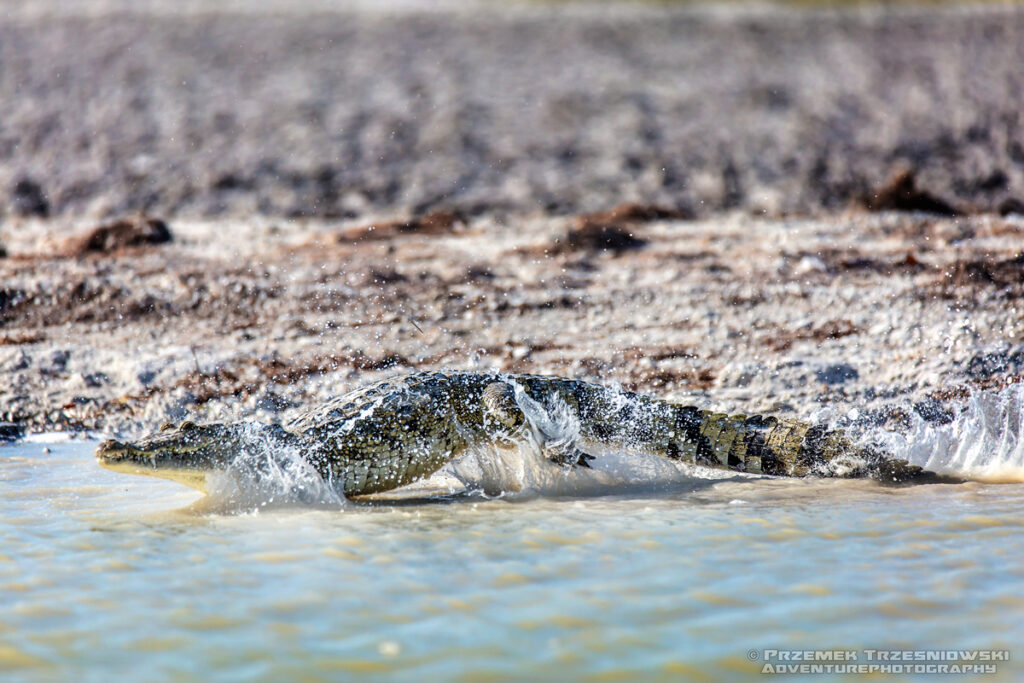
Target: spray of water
[267, 475]
[524, 470]
[983, 442]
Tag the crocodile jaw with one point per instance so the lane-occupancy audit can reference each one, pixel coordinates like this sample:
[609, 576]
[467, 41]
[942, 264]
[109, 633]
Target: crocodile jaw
[192, 478]
[187, 460]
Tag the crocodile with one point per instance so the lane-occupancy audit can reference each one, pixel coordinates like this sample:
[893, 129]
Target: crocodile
[399, 430]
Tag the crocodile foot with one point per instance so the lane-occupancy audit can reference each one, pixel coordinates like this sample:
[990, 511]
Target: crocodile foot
[567, 455]
[897, 472]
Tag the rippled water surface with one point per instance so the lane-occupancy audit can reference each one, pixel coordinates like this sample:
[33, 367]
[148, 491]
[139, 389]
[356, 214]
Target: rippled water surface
[104, 574]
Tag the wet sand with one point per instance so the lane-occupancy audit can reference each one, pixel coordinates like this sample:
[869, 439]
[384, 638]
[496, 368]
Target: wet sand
[335, 196]
[255, 319]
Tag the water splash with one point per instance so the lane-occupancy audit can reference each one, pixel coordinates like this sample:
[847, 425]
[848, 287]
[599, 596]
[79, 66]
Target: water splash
[268, 475]
[985, 441]
[553, 423]
[523, 470]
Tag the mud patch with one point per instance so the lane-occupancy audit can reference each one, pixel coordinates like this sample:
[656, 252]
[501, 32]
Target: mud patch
[249, 376]
[244, 378]
[691, 379]
[633, 212]
[597, 237]
[964, 277]
[782, 339]
[853, 261]
[121, 234]
[901, 193]
[20, 338]
[964, 391]
[441, 222]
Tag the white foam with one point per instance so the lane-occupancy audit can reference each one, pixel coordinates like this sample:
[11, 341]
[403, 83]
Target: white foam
[983, 442]
[523, 471]
[267, 475]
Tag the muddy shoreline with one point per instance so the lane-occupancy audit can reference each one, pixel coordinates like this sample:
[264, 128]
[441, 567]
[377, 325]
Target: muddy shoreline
[248, 320]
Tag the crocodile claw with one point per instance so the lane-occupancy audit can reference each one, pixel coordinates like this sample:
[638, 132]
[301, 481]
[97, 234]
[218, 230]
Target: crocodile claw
[568, 455]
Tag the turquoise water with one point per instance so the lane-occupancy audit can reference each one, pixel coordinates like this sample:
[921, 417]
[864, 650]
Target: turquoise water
[653, 575]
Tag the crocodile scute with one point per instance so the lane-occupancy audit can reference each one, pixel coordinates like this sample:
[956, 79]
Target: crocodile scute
[402, 429]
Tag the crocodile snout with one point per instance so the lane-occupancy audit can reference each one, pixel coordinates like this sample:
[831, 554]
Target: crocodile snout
[111, 450]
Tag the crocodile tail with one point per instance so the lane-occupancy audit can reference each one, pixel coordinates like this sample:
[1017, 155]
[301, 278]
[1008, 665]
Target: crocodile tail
[757, 444]
[761, 444]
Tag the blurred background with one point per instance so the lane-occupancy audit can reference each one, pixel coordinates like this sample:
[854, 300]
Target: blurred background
[350, 109]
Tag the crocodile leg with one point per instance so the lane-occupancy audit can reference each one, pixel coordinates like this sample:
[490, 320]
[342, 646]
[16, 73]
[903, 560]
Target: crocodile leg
[500, 406]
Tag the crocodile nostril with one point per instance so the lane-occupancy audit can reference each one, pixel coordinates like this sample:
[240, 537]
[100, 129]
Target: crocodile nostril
[110, 449]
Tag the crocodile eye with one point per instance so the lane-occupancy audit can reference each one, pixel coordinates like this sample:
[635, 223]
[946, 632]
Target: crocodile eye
[166, 426]
[187, 425]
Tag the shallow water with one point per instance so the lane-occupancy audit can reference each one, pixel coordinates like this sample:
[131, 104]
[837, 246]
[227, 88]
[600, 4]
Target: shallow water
[653, 575]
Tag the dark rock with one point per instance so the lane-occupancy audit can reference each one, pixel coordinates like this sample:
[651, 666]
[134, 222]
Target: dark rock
[273, 402]
[613, 230]
[932, 410]
[1011, 205]
[94, 379]
[11, 298]
[984, 365]
[28, 199]
[146, 377]
[11, 431]
[22, 362]
[836, 374]
[57, 362]
[478, 274]
[599, 237]
[382, 276]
